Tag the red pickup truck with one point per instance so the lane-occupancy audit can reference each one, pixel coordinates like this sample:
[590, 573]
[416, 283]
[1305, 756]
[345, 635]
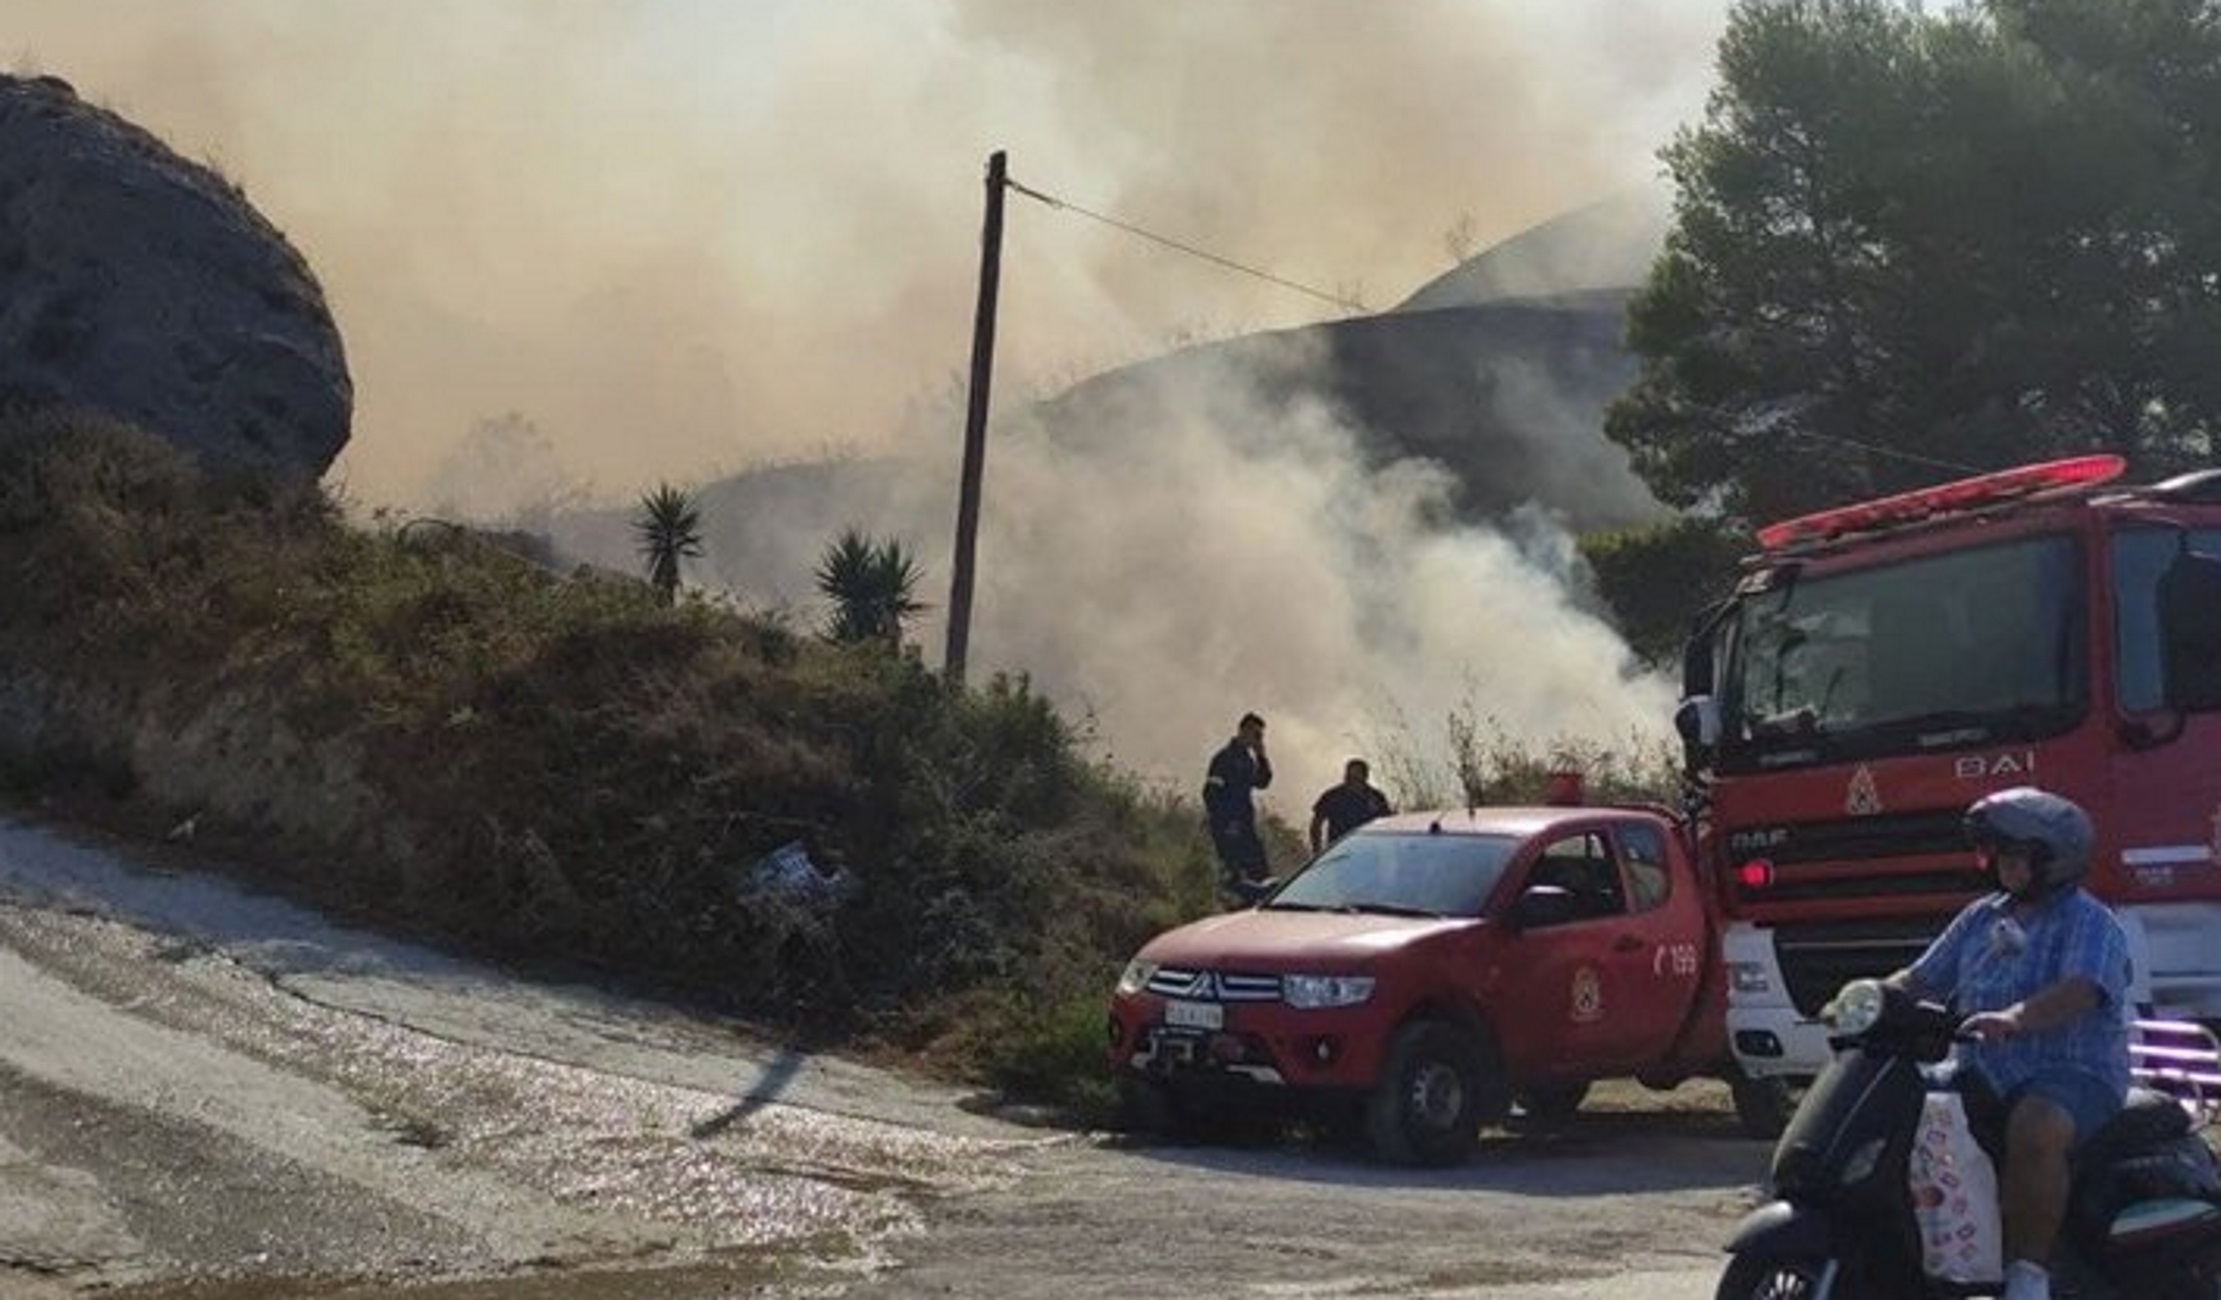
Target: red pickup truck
[1431, 971]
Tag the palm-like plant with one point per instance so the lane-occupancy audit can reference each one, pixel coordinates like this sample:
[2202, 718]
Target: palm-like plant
[873, 586]
[669, 529]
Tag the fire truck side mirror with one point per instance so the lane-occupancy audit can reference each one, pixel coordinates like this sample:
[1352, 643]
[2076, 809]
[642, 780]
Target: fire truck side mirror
[1698, 721]
[1697, 653]
[2190, 631]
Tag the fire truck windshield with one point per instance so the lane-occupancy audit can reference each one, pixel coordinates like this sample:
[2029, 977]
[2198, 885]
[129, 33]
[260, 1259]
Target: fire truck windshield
[1938, 652]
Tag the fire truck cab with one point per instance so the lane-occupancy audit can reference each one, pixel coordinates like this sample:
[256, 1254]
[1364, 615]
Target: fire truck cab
[1881, 666]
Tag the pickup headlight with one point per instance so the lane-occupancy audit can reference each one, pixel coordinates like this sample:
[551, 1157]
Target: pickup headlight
[1136, 976]
[1748, 977]
[1313, 991]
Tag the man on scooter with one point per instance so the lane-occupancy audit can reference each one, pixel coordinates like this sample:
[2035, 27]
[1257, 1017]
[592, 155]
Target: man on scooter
[2041, 970]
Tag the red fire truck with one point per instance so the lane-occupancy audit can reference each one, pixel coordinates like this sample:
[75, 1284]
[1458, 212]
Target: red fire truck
[1881, 666]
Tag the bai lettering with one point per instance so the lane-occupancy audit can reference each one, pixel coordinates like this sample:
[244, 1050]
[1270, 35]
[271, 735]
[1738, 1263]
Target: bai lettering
[2019, 763]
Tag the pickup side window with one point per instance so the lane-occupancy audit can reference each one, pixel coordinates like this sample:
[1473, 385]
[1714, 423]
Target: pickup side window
[1582, 866]
[1642, 851]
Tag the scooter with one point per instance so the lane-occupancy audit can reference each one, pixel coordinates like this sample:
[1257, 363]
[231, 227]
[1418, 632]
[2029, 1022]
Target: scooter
[2144, 1212]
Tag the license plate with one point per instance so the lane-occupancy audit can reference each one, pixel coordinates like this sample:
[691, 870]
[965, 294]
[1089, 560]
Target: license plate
[1195, 1015]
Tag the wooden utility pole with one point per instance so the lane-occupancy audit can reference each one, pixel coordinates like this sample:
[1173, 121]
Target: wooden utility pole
[975, 423]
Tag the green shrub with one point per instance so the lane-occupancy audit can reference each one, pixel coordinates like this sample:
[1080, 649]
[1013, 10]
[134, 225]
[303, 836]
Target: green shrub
[559, 767]
[1657, 580]
[1056, 1052]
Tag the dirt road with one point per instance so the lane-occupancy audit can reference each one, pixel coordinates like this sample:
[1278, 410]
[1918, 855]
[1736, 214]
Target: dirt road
[211, 1095]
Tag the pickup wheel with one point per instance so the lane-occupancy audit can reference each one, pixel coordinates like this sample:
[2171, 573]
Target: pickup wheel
[1437, 1087]
[1547, 1109]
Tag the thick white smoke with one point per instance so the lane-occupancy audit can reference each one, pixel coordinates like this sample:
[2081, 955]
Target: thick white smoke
[678, 239]
[1244, 559]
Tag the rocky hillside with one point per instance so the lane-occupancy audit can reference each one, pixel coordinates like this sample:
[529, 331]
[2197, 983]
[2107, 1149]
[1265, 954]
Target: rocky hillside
[143, 286]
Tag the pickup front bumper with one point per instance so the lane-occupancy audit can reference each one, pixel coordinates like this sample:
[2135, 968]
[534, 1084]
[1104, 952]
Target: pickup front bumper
[1269, 1044]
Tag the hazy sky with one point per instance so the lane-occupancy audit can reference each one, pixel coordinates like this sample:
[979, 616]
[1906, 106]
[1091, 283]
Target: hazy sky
[682, 237]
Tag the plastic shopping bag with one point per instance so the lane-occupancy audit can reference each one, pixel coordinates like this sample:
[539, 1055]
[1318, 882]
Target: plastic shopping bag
[1954, 1187]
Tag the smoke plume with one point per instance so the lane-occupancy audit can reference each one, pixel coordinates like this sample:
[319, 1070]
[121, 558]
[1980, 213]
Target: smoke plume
[680, 239]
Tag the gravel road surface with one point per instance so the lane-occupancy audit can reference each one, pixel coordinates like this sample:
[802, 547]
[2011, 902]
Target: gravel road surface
[209, 1094]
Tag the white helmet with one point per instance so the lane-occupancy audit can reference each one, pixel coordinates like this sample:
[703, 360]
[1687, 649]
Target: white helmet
[2054, 832]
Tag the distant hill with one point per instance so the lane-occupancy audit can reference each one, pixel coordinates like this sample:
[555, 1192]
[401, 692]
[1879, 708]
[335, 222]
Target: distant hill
[1499, 370]
[1609, 244]
[1509, 396]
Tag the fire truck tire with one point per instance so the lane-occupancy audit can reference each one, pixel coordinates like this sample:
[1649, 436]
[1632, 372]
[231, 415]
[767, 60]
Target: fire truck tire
[1762, 1105]
[1547, 1109]
[1440, 1083]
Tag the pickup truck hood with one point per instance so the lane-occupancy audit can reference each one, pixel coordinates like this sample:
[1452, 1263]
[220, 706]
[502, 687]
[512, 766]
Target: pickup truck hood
[1294, 941]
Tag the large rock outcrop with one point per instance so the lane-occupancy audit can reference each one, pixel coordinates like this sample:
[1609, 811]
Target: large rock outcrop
[139, 284]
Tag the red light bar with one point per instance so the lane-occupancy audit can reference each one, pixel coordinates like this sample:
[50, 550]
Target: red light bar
[1757, 873]
[1944, 498]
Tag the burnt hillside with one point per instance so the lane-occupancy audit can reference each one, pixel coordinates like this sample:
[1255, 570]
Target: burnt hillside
[1499, 370]
[1508, 395]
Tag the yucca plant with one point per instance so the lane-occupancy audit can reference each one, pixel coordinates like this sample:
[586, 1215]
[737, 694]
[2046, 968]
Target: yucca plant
[669, 529]
[873, 586]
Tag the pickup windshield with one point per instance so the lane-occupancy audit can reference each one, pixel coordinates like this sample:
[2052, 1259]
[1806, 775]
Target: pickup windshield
[1940, 652]
[1400, 874]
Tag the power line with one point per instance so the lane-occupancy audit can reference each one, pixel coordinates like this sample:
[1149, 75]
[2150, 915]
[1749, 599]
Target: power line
[1189, 249]
[1051, 200]
[1875, 449]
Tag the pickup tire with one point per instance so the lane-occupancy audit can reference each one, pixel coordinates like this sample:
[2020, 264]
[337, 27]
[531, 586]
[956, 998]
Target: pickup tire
[1439, 1084]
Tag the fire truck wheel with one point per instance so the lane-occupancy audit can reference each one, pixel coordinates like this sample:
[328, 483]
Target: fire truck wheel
[1543, 1110]
[1438, 1086]
[1762, 1105]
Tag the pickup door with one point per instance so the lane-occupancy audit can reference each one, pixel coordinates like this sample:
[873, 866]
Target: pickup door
[1606, 991]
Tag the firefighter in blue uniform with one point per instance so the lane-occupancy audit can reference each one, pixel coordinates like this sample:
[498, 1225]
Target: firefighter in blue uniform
[1237, 771]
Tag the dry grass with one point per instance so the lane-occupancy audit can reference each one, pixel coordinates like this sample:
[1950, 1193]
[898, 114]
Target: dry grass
[423, 727]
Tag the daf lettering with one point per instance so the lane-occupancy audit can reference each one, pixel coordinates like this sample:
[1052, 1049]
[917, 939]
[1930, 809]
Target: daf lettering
[1771, 837]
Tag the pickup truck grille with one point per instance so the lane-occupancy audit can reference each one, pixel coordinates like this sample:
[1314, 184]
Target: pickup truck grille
[1214, 985]
[1819, 958]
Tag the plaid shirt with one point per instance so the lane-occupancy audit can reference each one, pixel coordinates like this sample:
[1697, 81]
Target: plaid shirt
[1987, 961]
